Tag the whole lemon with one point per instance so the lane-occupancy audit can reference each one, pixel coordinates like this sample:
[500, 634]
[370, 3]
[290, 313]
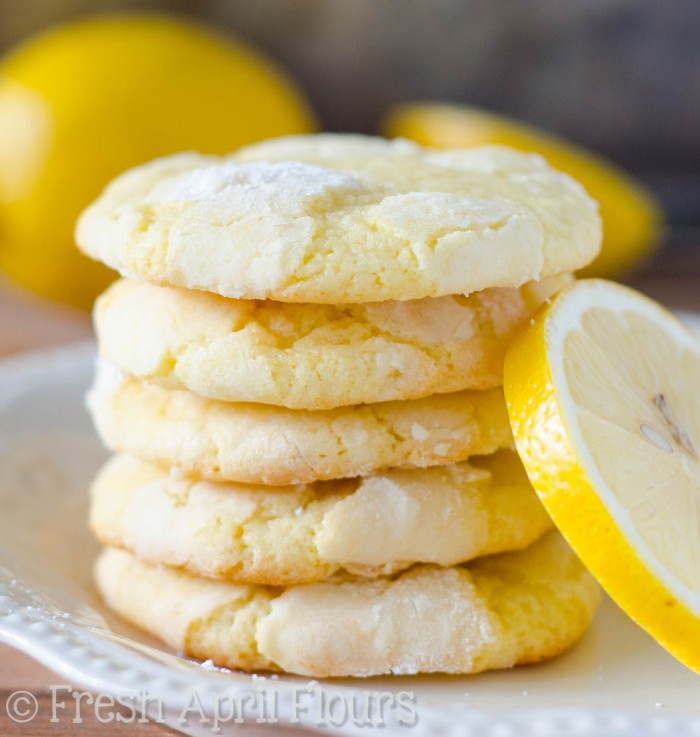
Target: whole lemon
[82, 102]
[632, 217]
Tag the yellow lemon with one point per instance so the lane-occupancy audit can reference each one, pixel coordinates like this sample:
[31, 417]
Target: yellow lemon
[631, 215]
[85, 101]
[602, 391]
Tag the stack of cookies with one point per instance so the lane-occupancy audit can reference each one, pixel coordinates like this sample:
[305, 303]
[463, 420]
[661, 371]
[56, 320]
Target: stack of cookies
[300, 378]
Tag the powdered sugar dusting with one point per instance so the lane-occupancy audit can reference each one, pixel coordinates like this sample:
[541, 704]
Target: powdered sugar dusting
[211, 666]
[277, 185]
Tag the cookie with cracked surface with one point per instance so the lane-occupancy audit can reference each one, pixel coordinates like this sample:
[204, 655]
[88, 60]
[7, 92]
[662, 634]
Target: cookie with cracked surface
[496, 612]
[333, 218]
[264, 444]
[306, 356]
[294, 534]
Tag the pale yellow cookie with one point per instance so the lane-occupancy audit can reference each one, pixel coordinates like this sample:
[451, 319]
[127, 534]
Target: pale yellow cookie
[293, 534]
[332, 219]
[311, 356]
[496, 612]
[264, 444]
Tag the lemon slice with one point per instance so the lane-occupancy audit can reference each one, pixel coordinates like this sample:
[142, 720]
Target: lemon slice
[603, 391]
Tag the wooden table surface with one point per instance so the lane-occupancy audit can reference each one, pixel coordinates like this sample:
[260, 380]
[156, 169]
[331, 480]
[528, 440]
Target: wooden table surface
[27, 323]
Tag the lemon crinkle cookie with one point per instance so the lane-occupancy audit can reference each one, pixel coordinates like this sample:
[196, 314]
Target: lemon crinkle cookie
[306, 356]
[264, 444]
[496, 612]
[285, 535]
[335, 219]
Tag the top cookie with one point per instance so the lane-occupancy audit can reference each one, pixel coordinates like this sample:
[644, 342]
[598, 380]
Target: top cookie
[338, 218]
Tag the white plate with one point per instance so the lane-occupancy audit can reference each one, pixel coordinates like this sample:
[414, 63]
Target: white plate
[617, 681]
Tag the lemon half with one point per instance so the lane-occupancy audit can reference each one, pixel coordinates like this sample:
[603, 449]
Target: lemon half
[632, 217]
[602, 391]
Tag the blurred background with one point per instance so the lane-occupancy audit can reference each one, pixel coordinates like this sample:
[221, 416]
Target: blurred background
[620, 78]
